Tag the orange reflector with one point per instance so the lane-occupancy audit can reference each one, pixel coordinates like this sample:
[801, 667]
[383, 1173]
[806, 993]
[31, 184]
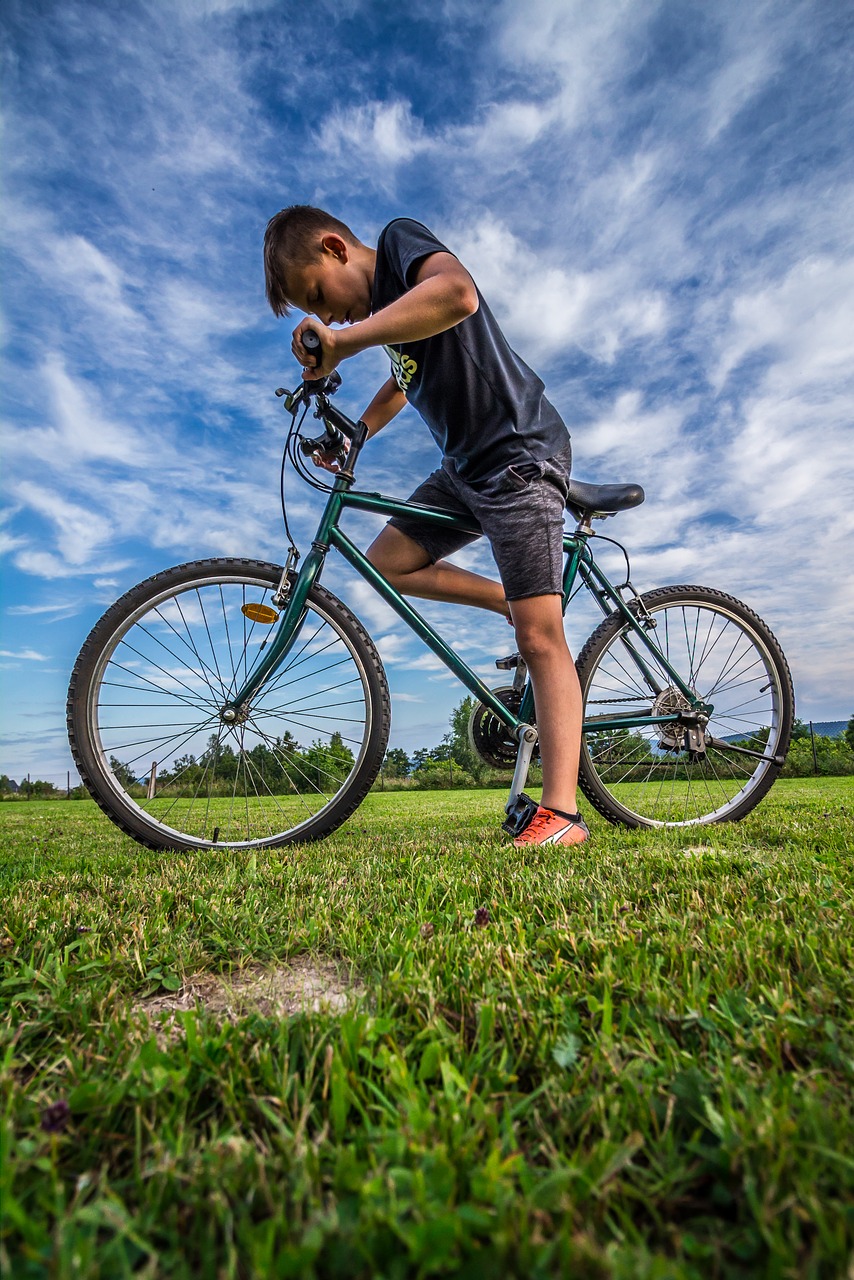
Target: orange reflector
[260, 613]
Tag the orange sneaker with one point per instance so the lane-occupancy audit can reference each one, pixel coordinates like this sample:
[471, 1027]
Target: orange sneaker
[548, 827]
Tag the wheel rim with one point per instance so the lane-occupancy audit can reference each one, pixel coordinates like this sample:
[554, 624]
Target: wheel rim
[156, 696]
[647, 771]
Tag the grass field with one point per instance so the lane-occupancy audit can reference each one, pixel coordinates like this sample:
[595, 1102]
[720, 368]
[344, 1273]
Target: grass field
[632, 1060]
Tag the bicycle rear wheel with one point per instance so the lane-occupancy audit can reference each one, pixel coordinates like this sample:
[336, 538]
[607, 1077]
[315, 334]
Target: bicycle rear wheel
[728, 657]
[144, 702]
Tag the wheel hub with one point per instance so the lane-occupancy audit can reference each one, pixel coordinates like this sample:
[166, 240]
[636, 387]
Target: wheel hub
[671, 737]
[235, 715]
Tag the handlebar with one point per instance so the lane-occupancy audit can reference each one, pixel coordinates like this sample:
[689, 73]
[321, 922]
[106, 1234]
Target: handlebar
[338, 427]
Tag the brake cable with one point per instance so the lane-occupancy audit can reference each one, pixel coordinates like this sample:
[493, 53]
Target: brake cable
[293, 550]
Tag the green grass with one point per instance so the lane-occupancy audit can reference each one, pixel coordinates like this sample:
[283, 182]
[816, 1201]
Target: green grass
[634, 1059]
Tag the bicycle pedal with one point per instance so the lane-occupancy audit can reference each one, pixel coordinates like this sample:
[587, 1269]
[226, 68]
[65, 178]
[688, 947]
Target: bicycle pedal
[508, 663]
[519, 812]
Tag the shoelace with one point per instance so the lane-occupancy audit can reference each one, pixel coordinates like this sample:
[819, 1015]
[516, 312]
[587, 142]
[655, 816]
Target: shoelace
[540, 819]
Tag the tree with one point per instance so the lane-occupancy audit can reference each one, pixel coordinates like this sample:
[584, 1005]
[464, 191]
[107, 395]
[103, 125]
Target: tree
[396, 763]
[325, 765]
[280, 764]
[124, 774]
[463, 752]
[849, 733]
[833, 756]
[39, 788]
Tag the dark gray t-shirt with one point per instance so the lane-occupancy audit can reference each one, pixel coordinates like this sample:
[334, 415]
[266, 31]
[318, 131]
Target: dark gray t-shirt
[484, 406]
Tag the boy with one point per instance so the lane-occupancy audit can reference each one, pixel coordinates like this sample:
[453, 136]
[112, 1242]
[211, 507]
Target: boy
[506, 452]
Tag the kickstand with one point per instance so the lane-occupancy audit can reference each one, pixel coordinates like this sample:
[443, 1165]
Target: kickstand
[520, 808]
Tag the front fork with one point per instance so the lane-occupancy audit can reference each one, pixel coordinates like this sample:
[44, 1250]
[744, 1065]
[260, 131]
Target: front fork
[294, 594]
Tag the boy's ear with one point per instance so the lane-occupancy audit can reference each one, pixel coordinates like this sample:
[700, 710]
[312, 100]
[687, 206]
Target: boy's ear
[334, 244]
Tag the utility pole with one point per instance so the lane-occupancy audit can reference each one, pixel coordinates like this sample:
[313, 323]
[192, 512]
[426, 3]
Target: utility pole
[814, 756]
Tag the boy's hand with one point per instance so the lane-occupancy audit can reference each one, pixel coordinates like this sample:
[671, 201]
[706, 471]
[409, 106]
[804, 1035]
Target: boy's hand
[330, 358]
[331, 459]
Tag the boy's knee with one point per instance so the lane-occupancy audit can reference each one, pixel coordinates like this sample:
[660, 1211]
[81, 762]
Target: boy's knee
[376, 555]
[536, 647]
[395, 555]
[539, 639]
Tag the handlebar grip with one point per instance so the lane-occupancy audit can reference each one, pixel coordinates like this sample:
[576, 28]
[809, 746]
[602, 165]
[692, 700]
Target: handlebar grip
[311, 342]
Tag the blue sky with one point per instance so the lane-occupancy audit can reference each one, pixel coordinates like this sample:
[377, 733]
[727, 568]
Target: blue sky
[657, 199]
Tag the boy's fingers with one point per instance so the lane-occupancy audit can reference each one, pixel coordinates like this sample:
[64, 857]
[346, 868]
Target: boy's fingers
[328, 464]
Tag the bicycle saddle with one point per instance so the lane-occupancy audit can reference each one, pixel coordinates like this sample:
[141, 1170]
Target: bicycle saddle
[602, 499]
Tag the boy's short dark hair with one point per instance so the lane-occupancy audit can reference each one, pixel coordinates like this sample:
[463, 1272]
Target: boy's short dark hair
[292, 239]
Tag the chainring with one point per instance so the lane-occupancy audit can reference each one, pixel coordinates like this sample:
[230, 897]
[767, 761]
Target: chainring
[489, 737]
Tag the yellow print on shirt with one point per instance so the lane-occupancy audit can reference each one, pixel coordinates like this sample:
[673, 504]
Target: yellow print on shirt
[403, 368]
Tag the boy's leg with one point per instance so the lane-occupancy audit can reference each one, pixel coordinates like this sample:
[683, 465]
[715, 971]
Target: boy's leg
[409, 568]
[538, 621]
[542, 643]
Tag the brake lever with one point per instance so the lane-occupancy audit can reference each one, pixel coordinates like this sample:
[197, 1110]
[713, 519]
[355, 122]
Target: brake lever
[293, 399]
[310, 387]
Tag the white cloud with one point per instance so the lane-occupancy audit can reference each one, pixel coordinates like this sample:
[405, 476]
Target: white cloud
[80, 531]
[194, 316]
[30, 655]
[582, 45]
[805, 322]
[79, 430]
[427, 662]
[29, 610]
[628, 432]
[545, 307]
[374, 134]
[753, 39]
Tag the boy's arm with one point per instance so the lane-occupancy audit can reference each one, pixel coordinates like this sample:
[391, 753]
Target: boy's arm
[386, 404]
[443, 294]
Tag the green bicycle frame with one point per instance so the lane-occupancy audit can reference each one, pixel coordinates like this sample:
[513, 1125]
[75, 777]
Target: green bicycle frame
[579, 564]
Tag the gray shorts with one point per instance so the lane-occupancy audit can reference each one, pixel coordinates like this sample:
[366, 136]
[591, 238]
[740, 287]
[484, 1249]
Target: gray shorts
[520, 510]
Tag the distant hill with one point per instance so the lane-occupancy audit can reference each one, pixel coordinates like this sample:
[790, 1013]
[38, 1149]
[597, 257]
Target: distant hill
[829, 728]
[821, 728]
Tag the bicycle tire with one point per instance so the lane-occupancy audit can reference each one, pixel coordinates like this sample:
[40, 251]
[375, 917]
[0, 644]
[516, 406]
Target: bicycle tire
[152, 676]
[729, 657]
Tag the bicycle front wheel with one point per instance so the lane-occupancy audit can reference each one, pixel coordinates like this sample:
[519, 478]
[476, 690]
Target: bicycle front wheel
[147, 689]
[654, 775]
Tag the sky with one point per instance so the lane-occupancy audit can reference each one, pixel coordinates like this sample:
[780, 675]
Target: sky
[656, 199]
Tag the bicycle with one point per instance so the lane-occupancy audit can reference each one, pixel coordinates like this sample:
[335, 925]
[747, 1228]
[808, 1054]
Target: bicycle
[688, 701]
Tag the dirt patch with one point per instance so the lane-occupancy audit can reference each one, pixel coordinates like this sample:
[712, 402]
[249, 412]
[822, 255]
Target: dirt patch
[303, 985]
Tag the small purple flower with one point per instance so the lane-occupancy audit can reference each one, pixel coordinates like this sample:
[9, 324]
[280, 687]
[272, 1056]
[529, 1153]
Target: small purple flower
[482, 917]
[55, 1118]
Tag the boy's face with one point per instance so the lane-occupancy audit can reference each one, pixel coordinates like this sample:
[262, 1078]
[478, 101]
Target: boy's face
[333, 287]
